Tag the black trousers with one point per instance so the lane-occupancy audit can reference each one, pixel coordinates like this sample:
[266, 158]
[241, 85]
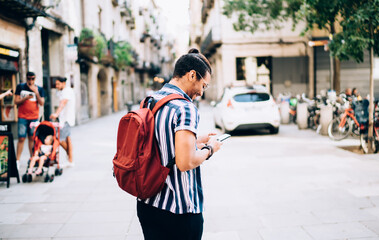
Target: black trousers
[158, 224]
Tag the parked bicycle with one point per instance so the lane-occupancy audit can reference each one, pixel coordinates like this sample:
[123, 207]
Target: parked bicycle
[345, 124]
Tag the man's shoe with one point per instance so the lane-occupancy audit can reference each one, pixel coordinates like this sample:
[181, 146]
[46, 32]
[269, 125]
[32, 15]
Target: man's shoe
[70, 164]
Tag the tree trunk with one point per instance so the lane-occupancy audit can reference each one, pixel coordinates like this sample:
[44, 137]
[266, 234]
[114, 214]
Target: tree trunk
[335, 65]
[337, 75]
[371, 106]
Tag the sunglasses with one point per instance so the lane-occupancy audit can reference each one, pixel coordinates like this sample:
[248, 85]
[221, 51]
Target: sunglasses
[31, 78]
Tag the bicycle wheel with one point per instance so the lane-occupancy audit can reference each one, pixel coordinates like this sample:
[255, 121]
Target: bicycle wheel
[365, 143]
[337, 132]
[355, 130]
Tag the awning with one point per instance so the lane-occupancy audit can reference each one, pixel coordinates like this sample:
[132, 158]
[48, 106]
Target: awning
[21, 9]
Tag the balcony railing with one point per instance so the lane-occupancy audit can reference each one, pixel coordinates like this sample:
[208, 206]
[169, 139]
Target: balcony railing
[22, 9]
[211, 42]
[207, 5]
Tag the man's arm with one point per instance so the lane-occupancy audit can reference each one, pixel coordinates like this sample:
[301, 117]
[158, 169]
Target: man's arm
[186, 155]
[18, 100]
[62, 104]
[40, 100]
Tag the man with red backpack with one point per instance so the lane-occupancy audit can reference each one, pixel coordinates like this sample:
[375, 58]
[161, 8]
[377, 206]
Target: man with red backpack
[176, 211]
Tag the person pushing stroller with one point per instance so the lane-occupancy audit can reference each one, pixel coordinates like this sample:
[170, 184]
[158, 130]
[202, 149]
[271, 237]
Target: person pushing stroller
[41, 155]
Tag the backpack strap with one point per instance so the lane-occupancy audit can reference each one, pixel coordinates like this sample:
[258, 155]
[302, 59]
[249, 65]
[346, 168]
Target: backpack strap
[160, 104]
[145, 101]
[165, 100]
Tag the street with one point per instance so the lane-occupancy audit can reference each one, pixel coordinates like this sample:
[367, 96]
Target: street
[293, 185]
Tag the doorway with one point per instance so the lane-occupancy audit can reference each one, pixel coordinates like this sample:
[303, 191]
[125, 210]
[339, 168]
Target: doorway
[102, 94]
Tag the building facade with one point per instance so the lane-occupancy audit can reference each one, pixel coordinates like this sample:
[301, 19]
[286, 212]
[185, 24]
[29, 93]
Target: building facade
[242, 58]
[126, 51]
[282, 60]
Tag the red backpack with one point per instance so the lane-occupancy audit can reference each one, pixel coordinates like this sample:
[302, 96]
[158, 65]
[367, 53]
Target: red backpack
[137, 164]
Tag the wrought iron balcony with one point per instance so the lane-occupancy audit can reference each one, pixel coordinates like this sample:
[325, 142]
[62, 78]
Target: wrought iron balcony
[210, 43]
[22, 9]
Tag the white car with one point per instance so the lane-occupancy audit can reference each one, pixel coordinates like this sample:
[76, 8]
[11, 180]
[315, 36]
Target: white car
[247, 108]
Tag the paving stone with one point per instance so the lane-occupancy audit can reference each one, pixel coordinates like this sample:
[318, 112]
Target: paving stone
[339, 231]
[134, 237]
[107, 206]
[372, 225]
[215, 224]
[24, 198]
[13, 218]
[35, 231]
[10, 207]
[289, 220]
[100, 230]
[50, 207]
[48, 217]
[344, 215]
[292, 233]
[101, 217]
[249, 235]
[221, 236]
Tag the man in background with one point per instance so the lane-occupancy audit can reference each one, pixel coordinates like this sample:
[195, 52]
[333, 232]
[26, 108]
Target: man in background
[66, 114]
[28, 98]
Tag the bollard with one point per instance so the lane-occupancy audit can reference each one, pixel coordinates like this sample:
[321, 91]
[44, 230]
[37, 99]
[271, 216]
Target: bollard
[326, 116]
[302, 115]
[285, 112]
[129, 105]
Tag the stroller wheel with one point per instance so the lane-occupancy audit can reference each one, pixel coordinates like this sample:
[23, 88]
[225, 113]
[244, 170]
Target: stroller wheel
[47, 178]
[51, 178]
[58, 171]
[30, 178]
[24, 178]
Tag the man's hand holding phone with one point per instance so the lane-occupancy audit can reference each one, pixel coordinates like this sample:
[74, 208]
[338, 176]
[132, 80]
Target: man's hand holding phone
[223, 137]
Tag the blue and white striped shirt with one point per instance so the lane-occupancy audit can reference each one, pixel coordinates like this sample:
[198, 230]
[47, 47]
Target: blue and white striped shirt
[182, 192]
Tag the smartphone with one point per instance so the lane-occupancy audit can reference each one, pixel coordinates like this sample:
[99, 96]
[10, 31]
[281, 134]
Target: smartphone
[223, 137]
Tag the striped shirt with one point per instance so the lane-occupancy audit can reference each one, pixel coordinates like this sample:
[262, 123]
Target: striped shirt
[182, 192]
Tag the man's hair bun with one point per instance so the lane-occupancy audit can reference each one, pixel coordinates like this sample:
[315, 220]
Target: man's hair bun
[193, 50]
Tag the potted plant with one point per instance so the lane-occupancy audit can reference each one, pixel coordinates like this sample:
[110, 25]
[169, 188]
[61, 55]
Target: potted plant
[123, 54]
[87, 43]
[100, 47]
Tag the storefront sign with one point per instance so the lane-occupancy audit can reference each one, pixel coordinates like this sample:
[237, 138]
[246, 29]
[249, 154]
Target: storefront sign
[8, 165]
[9, 52]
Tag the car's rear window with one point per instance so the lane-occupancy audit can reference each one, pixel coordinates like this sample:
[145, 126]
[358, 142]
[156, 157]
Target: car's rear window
[252, 97]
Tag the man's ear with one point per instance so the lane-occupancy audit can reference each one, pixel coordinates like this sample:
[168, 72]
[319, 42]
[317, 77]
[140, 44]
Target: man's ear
[192, 75]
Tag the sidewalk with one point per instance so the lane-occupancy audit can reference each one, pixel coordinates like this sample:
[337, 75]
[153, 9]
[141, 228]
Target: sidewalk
[85, 202]
[294, 185]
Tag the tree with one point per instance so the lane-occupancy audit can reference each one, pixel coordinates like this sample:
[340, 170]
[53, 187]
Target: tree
[359, 20]
[271, 14]
[360, 24]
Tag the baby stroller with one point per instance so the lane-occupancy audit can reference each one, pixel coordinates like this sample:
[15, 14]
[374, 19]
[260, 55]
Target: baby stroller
[42, 130]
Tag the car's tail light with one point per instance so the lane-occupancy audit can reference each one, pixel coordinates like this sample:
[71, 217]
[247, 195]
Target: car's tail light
[229, 104]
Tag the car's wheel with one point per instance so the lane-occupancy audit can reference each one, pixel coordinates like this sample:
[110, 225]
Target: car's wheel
[274, 130]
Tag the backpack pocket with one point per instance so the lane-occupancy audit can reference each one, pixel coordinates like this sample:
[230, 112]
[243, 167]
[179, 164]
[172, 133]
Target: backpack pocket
[126, 175]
